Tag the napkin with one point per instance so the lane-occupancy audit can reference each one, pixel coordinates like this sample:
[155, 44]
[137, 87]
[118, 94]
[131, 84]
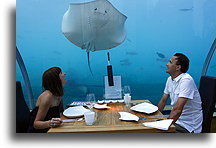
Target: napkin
[162, 124]
[128, 116]
[98, 106]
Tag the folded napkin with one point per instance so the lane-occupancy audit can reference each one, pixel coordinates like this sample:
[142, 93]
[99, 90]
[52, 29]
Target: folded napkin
[98, 106]
[128, 116]
[162, 124]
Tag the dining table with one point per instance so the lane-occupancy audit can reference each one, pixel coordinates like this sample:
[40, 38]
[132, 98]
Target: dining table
[107, 121]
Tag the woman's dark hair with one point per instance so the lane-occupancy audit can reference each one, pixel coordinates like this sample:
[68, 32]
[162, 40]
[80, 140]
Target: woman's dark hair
[52, 82]
[183, 61]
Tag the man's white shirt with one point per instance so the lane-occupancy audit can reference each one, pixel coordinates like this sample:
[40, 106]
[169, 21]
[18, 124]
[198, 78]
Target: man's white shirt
[184, 86]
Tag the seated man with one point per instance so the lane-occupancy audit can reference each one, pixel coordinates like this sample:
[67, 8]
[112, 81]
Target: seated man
[185, 99]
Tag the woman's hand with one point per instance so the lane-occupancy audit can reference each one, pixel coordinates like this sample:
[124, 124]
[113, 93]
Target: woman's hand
[55, 122]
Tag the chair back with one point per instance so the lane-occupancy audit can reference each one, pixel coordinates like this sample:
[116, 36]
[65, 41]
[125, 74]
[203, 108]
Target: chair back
[207, 93]
[22, 111]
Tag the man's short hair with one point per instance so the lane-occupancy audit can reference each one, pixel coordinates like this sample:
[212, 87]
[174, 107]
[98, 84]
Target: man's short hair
[183, 61]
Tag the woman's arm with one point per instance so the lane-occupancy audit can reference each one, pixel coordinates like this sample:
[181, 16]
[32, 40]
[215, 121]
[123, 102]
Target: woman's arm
[45, 103]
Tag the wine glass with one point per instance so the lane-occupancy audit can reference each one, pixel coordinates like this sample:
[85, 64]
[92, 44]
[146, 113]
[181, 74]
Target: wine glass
[90, 99]
[126, 90]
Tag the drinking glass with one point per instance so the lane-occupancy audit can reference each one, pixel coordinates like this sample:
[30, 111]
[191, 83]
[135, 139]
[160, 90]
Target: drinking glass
[126, 90]
[127, 100]
[89, 117]
[90, 99]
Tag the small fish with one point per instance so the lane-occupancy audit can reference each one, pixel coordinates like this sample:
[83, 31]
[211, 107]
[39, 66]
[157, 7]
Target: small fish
[57, 52]
[129, 40]
[126, 64]
[160, 55]
[131, 53]
[124, 60]
[186, 9]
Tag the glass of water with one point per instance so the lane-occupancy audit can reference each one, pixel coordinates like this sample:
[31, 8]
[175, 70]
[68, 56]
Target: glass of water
[90, 99]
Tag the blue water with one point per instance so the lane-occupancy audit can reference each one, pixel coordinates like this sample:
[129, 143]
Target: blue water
[155, 31]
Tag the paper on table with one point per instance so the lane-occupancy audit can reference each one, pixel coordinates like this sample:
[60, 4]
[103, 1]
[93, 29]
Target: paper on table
[145, 108]
[128, 116]
[98, 106]
[162, 124]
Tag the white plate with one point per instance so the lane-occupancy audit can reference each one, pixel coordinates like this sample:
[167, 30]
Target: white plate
[98, 106]
[120, 101]
[113, 101]
[100, 102]
[73, 112]
[107, 101]
[128, 116]
[145, 108]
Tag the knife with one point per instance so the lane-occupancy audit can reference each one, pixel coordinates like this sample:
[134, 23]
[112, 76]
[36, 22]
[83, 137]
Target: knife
[151, 117]
[72, 120]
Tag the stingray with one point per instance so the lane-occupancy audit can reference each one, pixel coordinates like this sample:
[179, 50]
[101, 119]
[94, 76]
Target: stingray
[94, 26]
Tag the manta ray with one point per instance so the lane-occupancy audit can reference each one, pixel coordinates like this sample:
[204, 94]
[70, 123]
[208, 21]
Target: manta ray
[93, 26]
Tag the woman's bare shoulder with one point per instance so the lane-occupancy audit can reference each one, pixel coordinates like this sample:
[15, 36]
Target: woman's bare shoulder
[46, 98]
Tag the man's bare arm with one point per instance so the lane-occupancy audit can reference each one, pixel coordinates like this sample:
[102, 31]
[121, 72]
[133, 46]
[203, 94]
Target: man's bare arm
[177, 109]
[162, 102]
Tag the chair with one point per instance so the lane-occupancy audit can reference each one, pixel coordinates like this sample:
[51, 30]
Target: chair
[22, 111]
[207, 93]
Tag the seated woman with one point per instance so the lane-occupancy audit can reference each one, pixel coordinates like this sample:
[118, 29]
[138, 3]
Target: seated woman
[46, 114]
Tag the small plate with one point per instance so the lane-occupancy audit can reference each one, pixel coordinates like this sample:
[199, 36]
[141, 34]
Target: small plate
[107, 101]
[145, 108]
[98, 106]
[73, 112]
[120, 101]
[100, 102]
[113, 101]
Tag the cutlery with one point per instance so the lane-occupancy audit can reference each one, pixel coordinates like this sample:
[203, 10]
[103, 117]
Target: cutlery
[151, 117]
[72, 120]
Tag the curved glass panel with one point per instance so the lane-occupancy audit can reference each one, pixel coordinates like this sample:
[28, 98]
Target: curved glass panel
[155, 31]
[212, 67]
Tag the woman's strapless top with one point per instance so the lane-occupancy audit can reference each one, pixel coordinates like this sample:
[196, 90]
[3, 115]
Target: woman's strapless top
[53, 112]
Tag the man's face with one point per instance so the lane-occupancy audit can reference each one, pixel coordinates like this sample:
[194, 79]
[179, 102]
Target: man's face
[172, 68]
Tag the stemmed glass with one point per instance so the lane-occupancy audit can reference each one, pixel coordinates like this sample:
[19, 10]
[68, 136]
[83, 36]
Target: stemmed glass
[126, 90]
[90, 99]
